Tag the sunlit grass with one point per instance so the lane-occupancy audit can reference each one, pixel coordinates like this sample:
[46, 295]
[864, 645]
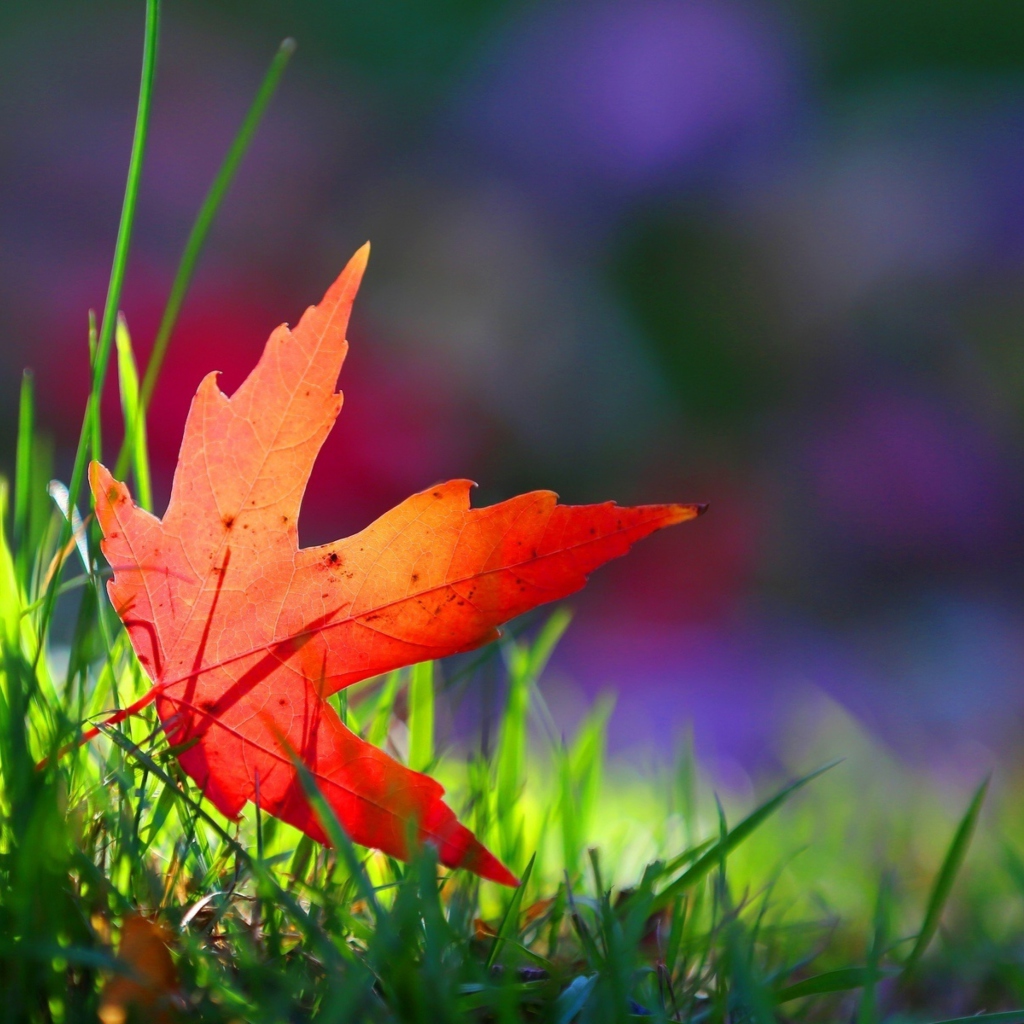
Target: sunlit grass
[643, 890]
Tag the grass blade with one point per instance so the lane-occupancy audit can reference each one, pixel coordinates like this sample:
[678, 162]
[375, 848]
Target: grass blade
[134, 424]
[580, 773]
[1004, 1017]
[336, 835]
[713, 857]
[113, 302]
[842, 980]
[574, 998]
[23, 464]
[128, 207]
[325, 947]
[197, 238]
[868, 1011]
[547, 640]
[687, 856]
[510, 921]
[943, 885]
[421, 716]
[385, 706]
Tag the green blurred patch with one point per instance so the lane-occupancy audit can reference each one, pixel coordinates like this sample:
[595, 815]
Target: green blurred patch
[696, 292]
[863, 40]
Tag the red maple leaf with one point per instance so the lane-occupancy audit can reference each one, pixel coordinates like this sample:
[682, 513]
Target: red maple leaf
[245, 634]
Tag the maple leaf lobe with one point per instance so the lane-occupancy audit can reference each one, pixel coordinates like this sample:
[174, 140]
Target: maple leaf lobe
[246, 634]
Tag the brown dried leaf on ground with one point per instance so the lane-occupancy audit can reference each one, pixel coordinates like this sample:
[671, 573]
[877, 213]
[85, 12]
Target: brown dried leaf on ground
[150, 991]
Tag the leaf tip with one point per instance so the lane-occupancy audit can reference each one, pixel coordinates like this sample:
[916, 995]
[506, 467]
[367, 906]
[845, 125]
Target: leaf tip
[342, 292]
[100, 477]
[478, 859]
[357, 264]
[682, 513]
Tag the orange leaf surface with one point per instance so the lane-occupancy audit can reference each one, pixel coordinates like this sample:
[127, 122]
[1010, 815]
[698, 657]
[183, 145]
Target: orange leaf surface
[245, 633]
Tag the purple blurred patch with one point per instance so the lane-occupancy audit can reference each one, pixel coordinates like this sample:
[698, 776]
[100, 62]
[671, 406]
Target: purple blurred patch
[996, 142]
[620, 96]
[720, 680]
[898, 473]
[943, 673]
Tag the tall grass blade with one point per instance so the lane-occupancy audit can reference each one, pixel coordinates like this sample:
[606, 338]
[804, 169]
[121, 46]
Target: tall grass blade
[421, 716]
[197, 238]
[93, 426]
[62, 499]
[510, 921]
[580, 773]
[379, 724]
[547, 640]
[867, 1012]
[943, 884]
[122, 246]
[10, 604]
[23, 463]
[113, 301]
[685, 790]
[134, 423]
[525, 665]
[511, 755]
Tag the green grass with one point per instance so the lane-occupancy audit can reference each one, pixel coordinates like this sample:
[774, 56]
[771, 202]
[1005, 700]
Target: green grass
[854, 893]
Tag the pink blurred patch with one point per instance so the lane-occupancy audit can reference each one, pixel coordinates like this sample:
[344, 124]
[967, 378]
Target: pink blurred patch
[401, 428]
[696, 571]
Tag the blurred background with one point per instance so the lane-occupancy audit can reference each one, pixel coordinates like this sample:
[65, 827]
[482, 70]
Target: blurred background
[768, 255]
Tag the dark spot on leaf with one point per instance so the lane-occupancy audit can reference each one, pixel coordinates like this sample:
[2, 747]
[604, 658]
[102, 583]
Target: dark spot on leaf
[281, 701]
[333, 558]
[592, 531]
[284, 519]
[415, 577]
[437, 494]
[228, 521]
